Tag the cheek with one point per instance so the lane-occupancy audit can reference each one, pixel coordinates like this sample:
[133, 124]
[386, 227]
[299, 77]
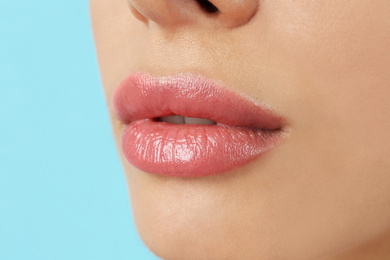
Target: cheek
[340, 114]
[342, 51]
[338, 43]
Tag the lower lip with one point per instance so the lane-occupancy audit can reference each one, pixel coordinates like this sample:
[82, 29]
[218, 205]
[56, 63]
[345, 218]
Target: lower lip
[193, 150]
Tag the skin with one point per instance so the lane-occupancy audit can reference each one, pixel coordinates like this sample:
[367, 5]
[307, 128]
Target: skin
[324, 193]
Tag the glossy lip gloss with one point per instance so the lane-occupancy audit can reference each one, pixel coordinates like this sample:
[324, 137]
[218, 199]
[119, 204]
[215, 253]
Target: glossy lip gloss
[243, 130]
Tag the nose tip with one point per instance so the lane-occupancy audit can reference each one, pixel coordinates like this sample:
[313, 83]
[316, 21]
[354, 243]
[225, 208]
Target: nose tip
[176, 13]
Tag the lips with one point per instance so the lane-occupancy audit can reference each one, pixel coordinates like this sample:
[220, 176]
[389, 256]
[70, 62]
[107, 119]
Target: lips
[189, 126]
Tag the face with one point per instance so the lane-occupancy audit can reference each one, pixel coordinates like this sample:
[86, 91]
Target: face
[323, 66]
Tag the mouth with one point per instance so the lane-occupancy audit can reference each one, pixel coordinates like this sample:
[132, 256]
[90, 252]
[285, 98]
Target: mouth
[189, 126]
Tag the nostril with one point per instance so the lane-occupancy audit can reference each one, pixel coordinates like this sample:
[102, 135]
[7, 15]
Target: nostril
[208, 6]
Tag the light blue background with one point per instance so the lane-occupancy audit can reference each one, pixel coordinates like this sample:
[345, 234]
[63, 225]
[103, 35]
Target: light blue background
[62, 189]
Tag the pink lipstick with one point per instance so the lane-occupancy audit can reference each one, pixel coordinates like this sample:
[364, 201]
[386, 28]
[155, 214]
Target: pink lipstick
[189, 126]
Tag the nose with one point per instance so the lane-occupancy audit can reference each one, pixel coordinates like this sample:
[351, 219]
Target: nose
[176, 13]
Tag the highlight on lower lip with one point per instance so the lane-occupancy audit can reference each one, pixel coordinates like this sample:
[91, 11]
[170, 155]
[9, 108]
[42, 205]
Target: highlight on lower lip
[193, 150]
[189, 126]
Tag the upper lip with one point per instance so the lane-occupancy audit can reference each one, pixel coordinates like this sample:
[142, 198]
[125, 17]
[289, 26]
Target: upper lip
[141, 96]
